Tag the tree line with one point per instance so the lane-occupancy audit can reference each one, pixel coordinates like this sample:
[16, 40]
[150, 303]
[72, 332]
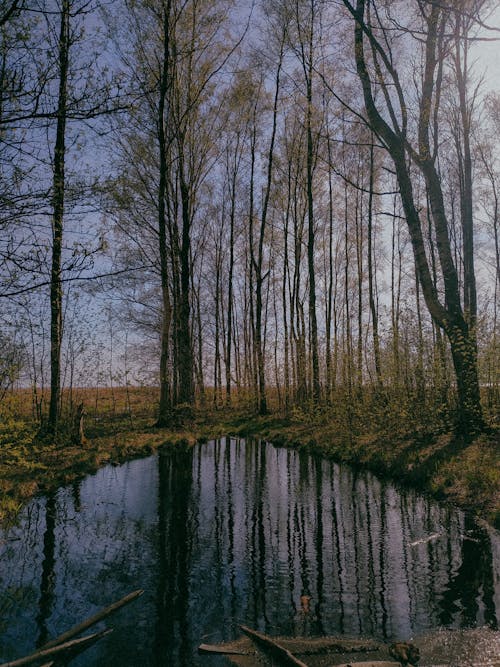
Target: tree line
[289, 204]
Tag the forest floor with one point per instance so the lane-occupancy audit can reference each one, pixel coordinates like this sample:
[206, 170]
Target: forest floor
[120, 427]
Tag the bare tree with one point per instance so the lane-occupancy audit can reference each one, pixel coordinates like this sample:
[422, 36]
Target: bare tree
[376, 62]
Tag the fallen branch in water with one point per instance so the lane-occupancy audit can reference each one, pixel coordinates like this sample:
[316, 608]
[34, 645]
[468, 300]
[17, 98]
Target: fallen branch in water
[371, 663]
[424, 540]
[297, 645]
[99, 616]
[272, 647]
[220, 650]
[65, 643]
[74, 646]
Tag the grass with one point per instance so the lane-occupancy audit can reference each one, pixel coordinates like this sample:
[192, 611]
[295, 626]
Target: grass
[119, 426]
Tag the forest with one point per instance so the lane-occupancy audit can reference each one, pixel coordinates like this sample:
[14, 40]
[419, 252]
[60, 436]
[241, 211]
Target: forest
[286, 208]
[250, 332]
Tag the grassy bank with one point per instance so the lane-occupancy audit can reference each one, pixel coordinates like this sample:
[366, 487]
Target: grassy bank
[467, 473]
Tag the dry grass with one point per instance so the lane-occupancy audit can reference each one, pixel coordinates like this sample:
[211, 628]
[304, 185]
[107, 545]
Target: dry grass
[100, 402]
[119, 426]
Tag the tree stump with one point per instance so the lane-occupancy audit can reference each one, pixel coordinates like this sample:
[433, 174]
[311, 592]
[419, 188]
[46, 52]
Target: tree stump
[78, 431]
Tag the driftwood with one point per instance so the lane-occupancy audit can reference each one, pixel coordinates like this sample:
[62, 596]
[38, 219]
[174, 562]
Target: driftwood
[221, 649]
[272, 648]
[281, 650]
[382, 663]
[99, 616]
[325, 645]
[299, 645]
[64, 645]
[475, 648]
[72, 647]
[371, 663]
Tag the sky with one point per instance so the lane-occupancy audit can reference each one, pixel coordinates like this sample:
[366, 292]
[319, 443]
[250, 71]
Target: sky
[488, 53]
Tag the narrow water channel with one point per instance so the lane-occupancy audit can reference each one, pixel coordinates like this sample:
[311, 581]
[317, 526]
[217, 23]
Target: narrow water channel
[237, 531]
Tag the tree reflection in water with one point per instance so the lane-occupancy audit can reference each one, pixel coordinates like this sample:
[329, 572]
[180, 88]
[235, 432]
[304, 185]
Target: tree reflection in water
[174, 534]
[47, 578]
[240, 532]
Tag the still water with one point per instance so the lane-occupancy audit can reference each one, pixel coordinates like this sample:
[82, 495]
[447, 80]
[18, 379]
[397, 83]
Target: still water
[237, 531]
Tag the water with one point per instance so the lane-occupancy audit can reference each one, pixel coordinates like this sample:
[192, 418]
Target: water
[240, 532]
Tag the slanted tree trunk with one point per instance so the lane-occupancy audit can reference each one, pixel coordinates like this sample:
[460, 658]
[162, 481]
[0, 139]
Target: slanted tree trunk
[449, 316]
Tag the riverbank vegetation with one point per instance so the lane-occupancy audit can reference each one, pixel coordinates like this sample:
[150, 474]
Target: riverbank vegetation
[119, 425]
[279, 217]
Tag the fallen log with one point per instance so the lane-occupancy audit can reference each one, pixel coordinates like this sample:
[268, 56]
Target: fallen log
[474, 647]
[298, 645]
[73, 646]
[219, 649]
[371, 663]
[326, 645]
[272, 648]
[99, 616]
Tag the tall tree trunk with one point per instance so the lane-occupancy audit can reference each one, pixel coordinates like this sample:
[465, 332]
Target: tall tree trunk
[358, 216]
[347, 315]
[371, 272]
[465, 164]
[58, 194]
[419, 370]
[494, 380]
[217, 360]
[252, 353]
[260, 277]
[232, 214]
[329, 302]
[199, 362]
[166, 314]
[313, 323]
[286, 277]
[395, 297]
[185, 347]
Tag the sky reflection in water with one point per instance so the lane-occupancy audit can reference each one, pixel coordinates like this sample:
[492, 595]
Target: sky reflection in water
[236, 532]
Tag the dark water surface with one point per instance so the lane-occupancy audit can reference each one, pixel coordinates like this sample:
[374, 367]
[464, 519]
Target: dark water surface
[236, 532]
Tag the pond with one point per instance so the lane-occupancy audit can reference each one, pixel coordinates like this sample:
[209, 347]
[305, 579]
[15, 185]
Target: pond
[237, 531]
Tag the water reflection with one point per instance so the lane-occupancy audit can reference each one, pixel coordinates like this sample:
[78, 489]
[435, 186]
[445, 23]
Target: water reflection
[47, 579]
[240, 532]
[175, 532]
